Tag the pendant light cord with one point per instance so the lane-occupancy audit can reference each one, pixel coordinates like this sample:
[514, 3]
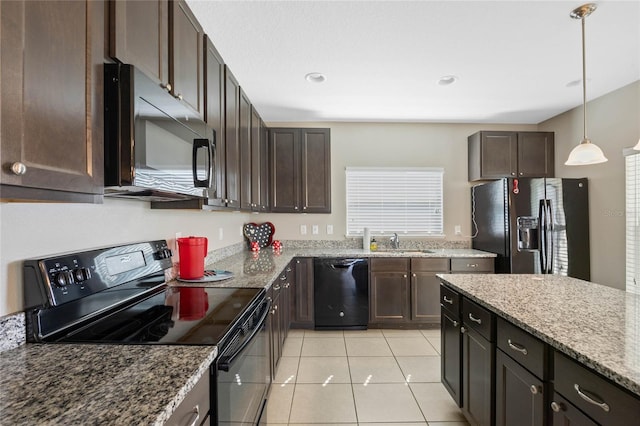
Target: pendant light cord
[584, 82]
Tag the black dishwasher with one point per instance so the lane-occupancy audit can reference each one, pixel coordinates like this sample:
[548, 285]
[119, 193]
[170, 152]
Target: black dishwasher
[341, 293]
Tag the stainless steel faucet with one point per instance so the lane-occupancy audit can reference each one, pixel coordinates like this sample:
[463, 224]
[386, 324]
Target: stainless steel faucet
[395, 241]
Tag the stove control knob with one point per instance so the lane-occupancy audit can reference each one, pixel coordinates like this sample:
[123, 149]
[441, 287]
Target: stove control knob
[63, 278]
[81, 274]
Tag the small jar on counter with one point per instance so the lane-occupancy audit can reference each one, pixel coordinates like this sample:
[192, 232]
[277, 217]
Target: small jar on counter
[373, 246]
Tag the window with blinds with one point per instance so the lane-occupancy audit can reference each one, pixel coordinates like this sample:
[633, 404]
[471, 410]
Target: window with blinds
[388, 199]
[632, 195]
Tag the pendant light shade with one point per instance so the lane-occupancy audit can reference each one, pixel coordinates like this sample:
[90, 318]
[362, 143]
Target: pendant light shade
[637, 147]
[586, 153]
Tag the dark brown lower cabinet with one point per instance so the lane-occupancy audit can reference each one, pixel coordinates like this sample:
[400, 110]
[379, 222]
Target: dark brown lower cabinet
[302, 300]
[451, 361]
[274, 330]
[565, 414]
[519, 394]
[425, 288]
[477, 377]
[389, 290]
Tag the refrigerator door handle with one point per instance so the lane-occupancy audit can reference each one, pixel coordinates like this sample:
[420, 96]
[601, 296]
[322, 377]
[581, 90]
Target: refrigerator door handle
[549, 238]
[543, 236]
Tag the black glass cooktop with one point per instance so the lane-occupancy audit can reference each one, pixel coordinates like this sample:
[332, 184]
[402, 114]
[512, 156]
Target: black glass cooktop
[177, 315]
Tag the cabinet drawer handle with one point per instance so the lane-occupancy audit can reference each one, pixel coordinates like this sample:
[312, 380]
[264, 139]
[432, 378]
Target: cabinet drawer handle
[283, 278]
[446, 299]
[288, 269]
[557, 406]
[474, 319]
[276, 287]
[472, 265]
[517, 347]
[590, 399]
[195, 416]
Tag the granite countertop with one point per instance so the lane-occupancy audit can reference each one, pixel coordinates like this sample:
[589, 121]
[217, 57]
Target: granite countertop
[262, 268]
[597, 325]
[54, 384]
[137, 384]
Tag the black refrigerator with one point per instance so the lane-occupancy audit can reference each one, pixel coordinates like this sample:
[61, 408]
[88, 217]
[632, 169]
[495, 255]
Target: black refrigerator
[534, 225]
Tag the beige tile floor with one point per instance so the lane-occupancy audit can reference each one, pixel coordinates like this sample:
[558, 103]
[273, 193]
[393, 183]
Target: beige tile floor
[369, 377]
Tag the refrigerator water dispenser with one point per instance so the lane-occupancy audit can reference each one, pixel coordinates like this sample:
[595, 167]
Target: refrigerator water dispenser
[527, 233]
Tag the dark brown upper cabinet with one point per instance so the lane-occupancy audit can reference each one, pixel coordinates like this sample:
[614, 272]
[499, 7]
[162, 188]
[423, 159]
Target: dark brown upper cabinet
[300, 167]
[139, 35]
[51, 80]
[214, 116]
[496, 154]
[232, 139]
[259, 174]
[164, 40]
[186, 38]
[246, 200]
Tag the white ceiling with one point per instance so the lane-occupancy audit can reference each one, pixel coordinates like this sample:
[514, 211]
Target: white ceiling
[383, 59]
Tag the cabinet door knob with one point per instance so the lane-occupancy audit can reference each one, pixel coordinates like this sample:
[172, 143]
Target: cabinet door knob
[557, 406]
[304, 208]
[179, 96]
[463, 330]
[521, 173]
[295, 208]
[18, 168]
[513, 173]
[455, 323]
[535, 389]
[166, 86]
[446, 299]
[404, 276]
[413, 275]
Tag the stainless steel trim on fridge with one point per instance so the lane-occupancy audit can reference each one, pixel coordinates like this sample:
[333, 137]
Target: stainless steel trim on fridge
[534, 225]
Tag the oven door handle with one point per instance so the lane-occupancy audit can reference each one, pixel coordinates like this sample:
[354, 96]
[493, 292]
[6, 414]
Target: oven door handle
[225, 361]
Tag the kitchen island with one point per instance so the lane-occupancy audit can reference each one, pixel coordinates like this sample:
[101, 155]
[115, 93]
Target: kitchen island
[579, 327]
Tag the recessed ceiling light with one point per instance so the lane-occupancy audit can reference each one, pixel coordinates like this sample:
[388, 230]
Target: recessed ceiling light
[315, 77]
[447, 80]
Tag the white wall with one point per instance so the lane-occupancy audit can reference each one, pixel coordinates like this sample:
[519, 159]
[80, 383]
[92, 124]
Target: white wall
[613, 123]
[391, 144]
[31, 230]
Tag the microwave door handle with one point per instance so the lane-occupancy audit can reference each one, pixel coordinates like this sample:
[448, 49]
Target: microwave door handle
[197, 144]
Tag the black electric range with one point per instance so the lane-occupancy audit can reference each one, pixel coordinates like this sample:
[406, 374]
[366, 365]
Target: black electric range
[119, 295]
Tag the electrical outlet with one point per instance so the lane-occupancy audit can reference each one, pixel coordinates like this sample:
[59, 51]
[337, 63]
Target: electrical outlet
[329, 229]
[457, 230]
[314, 229]
[303, 229]
[220, 234]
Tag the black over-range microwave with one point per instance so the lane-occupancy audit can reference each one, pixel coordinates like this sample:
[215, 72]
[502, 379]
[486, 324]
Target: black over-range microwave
[156, 148]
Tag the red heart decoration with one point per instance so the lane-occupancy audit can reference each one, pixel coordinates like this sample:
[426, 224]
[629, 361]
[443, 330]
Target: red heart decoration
[262, 234]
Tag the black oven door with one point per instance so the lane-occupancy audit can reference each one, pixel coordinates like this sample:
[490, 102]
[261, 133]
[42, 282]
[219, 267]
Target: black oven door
[243, 375]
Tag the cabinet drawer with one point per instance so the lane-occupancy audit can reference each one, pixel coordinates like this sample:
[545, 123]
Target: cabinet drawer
[529, 351]
[600, 399]
[450, 300]
[195, 404]
[388, 264]
[429, 264]
[478, 318]
[472, 264]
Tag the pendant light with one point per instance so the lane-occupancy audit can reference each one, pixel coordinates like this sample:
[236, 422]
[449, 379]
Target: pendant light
[586, 152]
[637, 147]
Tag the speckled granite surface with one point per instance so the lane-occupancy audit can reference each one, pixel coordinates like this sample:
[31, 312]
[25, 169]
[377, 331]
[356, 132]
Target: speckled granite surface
[594, 324]
[262, 268]
[12, 332]
[97, 384]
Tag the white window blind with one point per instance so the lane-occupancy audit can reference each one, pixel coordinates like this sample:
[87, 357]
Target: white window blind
[632, 192]
[388, 199]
